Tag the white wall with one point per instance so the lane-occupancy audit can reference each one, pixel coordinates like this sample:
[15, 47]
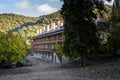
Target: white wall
[48, 57]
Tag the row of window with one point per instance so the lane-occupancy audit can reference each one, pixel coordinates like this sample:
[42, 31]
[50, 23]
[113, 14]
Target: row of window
[44, 46]
[50, 38]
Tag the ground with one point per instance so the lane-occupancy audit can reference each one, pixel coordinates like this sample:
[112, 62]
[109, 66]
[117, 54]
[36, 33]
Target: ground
[42, 70]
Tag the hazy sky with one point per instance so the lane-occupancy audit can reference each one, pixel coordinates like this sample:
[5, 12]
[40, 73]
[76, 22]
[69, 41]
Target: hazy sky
[30, 7]
[111, 2]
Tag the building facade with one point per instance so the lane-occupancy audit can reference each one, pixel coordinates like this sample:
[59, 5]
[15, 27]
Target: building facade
[43, 45]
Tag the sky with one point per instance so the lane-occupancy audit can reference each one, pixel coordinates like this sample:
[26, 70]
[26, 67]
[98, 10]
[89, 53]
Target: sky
[111, 3]
[32, 8]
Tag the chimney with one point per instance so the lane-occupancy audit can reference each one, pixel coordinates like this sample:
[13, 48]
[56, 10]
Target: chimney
[61, 23]
[58, 24]
[40, 31]
[43, 29]
[53, 25]
[48, 28]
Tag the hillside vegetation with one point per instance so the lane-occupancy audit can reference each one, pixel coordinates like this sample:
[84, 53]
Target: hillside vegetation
[11, 21]
[26, 26]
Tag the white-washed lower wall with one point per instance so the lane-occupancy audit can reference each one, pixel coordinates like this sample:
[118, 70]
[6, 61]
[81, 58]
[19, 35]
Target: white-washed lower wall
[52, 57]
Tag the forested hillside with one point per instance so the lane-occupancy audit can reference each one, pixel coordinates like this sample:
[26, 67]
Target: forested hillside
[30, 29]
[26, 26]
[11, 21]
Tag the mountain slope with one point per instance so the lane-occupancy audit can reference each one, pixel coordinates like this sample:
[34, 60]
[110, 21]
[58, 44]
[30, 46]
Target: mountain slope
[11, 21]
[26, 26]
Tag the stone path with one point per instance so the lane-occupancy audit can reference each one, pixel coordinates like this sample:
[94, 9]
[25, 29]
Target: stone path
[49, 71]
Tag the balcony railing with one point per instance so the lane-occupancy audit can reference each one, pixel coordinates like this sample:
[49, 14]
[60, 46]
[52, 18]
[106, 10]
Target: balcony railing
[47, 42]
[43, 49]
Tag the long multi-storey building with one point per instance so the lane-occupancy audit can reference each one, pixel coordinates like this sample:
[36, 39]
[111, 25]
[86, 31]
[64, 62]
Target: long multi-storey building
[43, 45]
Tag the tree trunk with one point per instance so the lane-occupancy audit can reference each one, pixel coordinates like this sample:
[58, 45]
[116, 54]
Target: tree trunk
[114, 53]
[83, 59]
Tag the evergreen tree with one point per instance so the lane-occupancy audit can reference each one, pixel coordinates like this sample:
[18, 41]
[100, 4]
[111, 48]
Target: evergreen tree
[116, 11]
[114, 37]
[79, 27]
[114, 41]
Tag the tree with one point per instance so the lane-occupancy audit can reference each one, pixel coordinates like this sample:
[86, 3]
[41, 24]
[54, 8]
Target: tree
[116, 11]
[114, 38]
[79, 27]
[114, 41]
[106, 14]
[58, 48]
[12, 47]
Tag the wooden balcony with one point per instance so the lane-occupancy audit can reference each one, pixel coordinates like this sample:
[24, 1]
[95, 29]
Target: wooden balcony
[48, 42]
[43, 49]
